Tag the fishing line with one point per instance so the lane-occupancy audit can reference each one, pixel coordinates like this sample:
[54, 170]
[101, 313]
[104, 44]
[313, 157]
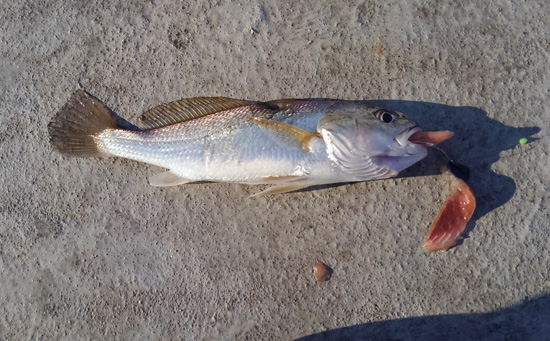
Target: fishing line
[521, 143]
[433, 146]
[459, 170]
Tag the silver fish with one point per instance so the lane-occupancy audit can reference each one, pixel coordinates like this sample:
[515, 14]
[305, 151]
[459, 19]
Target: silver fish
[291, 144]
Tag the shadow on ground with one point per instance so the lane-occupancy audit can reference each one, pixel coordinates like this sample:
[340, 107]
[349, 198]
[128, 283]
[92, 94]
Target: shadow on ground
[477, 144]
[525, 321]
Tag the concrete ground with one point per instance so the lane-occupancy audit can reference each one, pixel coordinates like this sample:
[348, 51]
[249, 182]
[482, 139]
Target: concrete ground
[88, 250]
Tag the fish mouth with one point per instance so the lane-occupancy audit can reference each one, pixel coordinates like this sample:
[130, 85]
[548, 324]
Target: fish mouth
[403, 138]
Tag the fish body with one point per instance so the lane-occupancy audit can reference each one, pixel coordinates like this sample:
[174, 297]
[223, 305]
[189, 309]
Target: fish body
[291, 144]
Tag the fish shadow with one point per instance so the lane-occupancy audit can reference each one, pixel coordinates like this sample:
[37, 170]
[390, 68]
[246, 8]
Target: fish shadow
[477, 143]
[523, 321]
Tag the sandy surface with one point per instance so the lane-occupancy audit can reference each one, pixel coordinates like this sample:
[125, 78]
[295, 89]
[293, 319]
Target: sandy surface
[88, 250]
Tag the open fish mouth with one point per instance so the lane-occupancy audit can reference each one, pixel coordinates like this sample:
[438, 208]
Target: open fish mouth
[424, 138]
[408, 148]
[403, 138]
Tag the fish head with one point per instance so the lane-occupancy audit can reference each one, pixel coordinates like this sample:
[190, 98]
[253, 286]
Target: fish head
[370, 142]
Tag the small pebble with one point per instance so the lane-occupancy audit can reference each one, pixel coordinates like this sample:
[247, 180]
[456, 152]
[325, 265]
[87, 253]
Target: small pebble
[321, 272]
[522, 140]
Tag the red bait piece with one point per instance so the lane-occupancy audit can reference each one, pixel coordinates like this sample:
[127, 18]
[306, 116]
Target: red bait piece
[449, 225]
[430, 138]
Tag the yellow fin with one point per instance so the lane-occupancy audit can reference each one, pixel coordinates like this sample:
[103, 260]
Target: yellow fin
[288, 132]
[283, 184]
[167, 179]
[280, 189]
[185, 110]
[279, 180]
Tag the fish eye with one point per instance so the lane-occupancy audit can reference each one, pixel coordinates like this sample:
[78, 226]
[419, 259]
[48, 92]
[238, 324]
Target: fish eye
[385, 116]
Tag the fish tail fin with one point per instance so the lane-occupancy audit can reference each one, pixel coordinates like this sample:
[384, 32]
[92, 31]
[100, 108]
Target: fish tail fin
[73, 130]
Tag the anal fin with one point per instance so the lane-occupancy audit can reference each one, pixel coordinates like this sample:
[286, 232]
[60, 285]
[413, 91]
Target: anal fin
[167, 179]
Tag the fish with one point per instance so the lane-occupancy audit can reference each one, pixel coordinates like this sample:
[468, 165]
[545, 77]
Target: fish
[289, 144]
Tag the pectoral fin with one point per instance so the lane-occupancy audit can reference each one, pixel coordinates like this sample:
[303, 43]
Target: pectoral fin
[167, 179]
[287, 132]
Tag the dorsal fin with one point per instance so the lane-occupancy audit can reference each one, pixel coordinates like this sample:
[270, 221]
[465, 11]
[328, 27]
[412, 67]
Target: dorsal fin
[280, 104]
[185, 110]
